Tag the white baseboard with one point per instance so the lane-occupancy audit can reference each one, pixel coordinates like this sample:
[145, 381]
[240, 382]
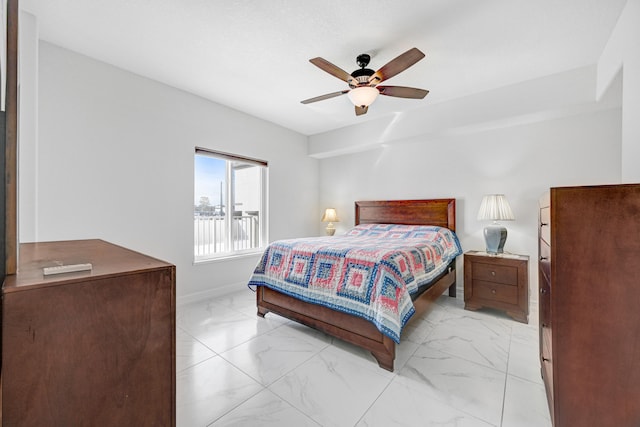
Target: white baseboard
[210, 293]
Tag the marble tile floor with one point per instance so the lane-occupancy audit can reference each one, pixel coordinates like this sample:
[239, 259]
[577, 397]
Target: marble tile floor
[453, 368]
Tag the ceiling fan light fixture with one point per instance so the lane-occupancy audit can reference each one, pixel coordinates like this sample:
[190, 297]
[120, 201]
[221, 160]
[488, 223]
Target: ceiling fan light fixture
[363, 96]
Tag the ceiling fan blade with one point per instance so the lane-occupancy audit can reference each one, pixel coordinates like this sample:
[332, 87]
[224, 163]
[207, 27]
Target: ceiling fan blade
[397, 65]
[323, 97]
[402, 92]
[334, 70]
[361, 110]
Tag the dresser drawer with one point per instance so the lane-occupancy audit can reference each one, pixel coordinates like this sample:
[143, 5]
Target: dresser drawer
[495, 292]
[544, 302]
[546, 363]
[495, 273]
[545, 224]
[544, 260]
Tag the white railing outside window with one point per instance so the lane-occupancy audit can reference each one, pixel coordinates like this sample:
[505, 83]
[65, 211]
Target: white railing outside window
[210, 234]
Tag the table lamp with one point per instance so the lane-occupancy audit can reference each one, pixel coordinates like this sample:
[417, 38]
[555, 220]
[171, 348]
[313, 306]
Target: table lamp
[330, 216]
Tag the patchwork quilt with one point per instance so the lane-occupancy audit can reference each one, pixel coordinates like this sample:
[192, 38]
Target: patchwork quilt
[371, 271]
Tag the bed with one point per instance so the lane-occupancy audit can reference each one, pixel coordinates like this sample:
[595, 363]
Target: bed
[353, 327]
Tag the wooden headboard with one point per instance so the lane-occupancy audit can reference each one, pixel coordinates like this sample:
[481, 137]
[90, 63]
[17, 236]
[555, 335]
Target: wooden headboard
[440, 212]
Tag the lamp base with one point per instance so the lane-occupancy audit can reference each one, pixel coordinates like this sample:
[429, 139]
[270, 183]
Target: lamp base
[495, 235]
[330, 230]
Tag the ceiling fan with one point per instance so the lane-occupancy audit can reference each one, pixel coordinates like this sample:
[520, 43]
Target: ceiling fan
[364, 83]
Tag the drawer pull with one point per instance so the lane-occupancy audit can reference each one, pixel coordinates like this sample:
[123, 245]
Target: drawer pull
[493, 273]
[544, 224]
[544, 359]
[543, 291]
[493, 291]
[543, 258]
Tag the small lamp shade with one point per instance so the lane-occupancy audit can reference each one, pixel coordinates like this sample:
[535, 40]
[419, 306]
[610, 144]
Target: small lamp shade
[330, 216]
[495, 207]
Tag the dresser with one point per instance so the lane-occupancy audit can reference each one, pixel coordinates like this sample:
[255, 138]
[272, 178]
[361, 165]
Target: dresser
[589, 302]
[499, 281]
[88, 348]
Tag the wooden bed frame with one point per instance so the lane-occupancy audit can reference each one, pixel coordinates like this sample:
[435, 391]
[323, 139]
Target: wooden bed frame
[353, 329]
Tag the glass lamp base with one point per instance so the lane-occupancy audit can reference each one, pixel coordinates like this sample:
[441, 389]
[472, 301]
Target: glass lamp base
[494, 237]
[330, 230]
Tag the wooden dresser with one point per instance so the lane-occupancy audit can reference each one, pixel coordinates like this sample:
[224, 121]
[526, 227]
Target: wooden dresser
[589, 283]
[88, 348]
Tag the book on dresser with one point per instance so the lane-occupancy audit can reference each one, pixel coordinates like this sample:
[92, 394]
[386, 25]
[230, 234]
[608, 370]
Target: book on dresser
[88, 347]
[589, 302]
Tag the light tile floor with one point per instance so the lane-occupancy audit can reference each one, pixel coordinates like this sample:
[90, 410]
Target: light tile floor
[453, 368]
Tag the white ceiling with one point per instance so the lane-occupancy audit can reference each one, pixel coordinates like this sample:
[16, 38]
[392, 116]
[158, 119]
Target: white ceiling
[252, 55]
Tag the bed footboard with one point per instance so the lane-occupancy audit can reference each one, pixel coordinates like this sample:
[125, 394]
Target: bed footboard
[347, 327]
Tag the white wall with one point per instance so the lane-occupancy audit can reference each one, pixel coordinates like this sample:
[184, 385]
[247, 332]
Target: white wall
[579, 127]
[521, 160]
[622, 56]
[28, 124]
[116, 156]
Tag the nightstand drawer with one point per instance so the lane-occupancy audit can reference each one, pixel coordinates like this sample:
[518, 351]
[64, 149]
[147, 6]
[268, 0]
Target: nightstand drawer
[495, 273]
[495, 292]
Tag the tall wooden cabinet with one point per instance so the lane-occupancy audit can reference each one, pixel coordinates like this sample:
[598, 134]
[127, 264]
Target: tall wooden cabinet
[88, 348]
[589, 272]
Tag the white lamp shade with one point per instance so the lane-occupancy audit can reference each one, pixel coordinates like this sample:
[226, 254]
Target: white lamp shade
[330, 215]
[363, 96]
[495, 207]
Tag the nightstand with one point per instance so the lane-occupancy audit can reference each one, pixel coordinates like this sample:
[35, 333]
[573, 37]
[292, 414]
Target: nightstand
[499, 281]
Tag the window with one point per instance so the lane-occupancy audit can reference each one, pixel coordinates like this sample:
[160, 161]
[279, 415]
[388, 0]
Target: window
[229, 205]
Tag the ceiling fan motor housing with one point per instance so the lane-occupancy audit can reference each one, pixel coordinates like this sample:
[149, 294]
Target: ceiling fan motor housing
[362, 76]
